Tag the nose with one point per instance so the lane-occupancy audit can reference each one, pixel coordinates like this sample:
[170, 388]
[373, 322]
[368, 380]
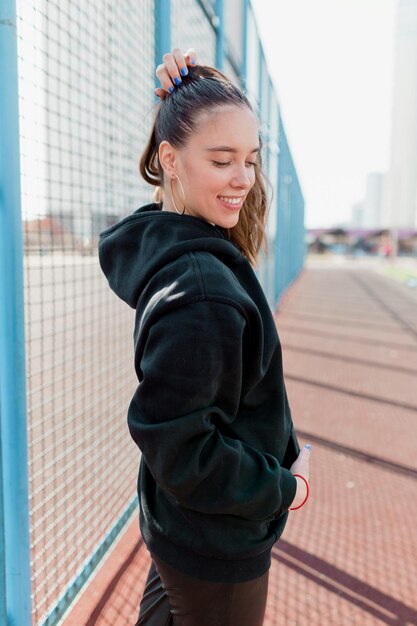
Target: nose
[243, 178]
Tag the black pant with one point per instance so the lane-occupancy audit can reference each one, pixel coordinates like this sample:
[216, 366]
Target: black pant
[171, 598]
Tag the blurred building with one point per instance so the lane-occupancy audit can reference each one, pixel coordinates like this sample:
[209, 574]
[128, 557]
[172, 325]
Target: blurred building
[368, 212]
[372, 204]
[357, 215]
[400, 197]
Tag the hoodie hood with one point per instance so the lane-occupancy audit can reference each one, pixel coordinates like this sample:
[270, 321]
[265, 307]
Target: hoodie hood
[132, 250]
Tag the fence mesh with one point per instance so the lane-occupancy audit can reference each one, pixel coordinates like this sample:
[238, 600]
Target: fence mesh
[86, 79]
[191, 27]
[86, 87]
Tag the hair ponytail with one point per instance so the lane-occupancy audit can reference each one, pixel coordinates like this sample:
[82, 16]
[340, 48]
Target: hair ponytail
[149, 166]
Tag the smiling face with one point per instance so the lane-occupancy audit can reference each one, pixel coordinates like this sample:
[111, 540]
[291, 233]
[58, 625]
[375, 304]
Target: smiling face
[216, 166]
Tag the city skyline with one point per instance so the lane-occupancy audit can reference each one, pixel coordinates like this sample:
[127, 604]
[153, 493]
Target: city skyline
[332, 66]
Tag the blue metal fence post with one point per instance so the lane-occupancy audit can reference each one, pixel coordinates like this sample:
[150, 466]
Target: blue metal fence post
[261, 62]
[245, 43]
[220, 34]
[15, 595]
[162, 32]
[279, 238]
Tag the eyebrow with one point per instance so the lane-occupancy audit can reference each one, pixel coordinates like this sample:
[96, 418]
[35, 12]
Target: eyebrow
[228, 149]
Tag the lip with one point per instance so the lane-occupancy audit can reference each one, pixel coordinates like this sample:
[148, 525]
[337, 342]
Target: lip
[230, 205]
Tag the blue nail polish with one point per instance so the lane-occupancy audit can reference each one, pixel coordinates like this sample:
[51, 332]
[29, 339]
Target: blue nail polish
[171, 89]
[308, 446]
[184, 71]
[177, 80]
[193, 61]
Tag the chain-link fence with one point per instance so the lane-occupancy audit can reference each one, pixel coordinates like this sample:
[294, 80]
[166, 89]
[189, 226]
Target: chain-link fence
[85, 83]
[86, 91]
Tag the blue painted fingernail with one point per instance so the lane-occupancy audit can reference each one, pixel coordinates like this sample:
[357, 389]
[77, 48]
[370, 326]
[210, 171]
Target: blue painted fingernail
[177, 80]
[308, 446]
[171, 89]
[184, 71]
[193, 61]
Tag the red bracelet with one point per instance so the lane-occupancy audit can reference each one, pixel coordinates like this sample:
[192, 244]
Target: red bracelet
[305, 499]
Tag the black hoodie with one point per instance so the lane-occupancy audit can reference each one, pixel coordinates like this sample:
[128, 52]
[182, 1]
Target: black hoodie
[211, 414]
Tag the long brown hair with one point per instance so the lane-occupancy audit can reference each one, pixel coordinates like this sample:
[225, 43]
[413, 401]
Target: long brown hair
[175, 120]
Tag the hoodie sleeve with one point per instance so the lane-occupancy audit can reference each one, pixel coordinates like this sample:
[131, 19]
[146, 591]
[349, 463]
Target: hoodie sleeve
[191, 381]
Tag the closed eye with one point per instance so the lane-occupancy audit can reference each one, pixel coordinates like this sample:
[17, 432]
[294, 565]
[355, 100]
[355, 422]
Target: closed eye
[220, 163]
[224, 164]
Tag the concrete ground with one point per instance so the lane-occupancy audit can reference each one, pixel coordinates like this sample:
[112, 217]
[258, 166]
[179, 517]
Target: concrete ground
[349, 556]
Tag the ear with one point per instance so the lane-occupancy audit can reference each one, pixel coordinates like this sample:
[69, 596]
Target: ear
[167, 156]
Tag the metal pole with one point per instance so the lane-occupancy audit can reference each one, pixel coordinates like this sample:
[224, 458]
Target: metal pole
[244, 76]
[15, 594]
[162, 31]
[219, 34]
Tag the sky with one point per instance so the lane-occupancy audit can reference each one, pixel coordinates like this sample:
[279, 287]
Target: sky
[331, 62]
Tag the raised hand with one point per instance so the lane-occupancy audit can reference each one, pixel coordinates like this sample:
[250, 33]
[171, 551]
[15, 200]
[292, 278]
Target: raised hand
[173, 67]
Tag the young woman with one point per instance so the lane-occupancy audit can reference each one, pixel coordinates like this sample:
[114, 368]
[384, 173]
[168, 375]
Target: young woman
[221, 464]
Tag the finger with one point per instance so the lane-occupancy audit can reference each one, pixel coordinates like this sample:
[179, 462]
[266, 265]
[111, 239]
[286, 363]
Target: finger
[161, 93]
[172, 68]
[164, 77]
[180, 61]
[190, 57]
[306, 450]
